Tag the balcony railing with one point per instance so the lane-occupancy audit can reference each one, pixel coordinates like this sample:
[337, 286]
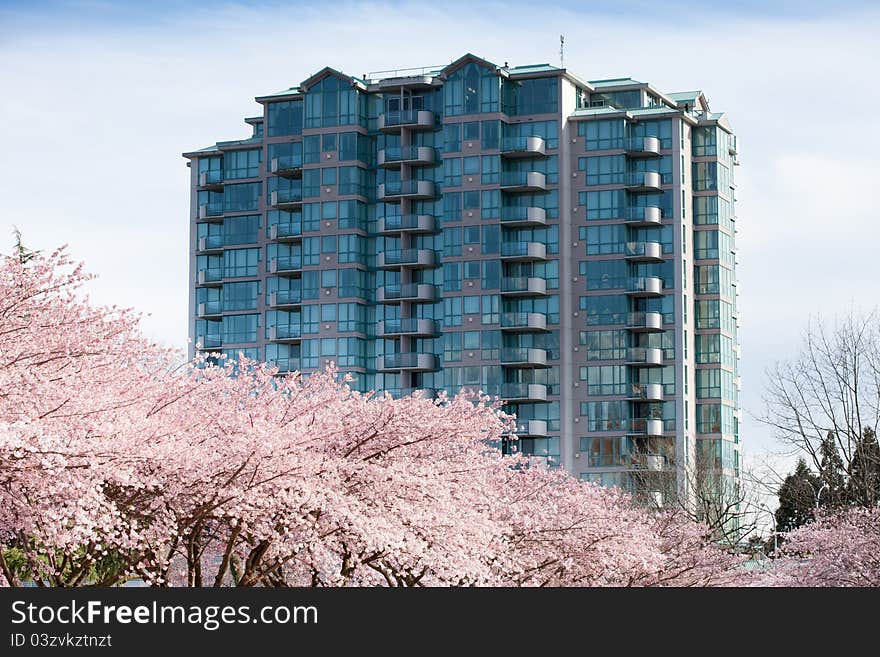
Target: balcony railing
[211, 211]
[645, 286]
[644, 251]
[407, 223]
[286, 365]
[286, 198]
[285, 265]
[524, 286]
[209, 341]
[410, 292]
[289, 230]
[649, 392]
[413, 326]
[410, 361]
[209, 276]
[645, 356]
[643, 181]
[412, 189]
[531, 429]
[209, 308]
[286, 166]
[522, 216]
[642, 147]
[397, 393]
[282, 298]
[649, 215]
[524, 392]
[523, 251]
[524, 357]
[412, 119]
[393, 156]
[523, 322]
[519, 147]
[645, 427]
[645, 322]
[523, 181]
[285, 332]
[209, 243]
[421, 258]
[211, 180]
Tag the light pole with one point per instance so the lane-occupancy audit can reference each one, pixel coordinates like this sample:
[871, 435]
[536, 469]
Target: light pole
[819, 493]
[773, 518]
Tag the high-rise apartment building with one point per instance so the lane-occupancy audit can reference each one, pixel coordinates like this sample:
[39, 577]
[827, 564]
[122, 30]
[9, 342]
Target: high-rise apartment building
[565, 244]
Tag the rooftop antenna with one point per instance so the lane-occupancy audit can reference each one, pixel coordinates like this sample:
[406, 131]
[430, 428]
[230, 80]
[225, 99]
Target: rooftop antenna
[561, 51]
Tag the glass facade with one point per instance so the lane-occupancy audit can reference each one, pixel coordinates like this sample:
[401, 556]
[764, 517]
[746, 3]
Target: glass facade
[436, 236]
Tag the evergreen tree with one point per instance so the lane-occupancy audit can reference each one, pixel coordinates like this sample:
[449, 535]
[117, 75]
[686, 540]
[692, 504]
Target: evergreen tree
[864, 474]
[831, 474]
[796, 498]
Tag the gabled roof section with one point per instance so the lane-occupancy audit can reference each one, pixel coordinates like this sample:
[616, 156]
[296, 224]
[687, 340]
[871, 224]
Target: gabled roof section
[324, 72]
[695, 99]
[293, 91]
[466, 59]
[533, 68]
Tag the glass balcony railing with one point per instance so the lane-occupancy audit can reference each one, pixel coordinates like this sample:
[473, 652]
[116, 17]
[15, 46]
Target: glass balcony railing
[212, 178]
[423, 119]
[207, 210]
[523, 180]
[645, 286]
[210, 275]
[524, 356]
[523, 216]
[524, 286]
[210, 243]
[644, 321]
[524, 250]
[409, 326]
[524, 321]
[416, 223]
[286, 165]
[519, 392]
[209, 308]
[407, 258]
[413, 154]
[286, 365]
[412, 292]
[285, 331]
[209, 341]
[285, 264]
[408, 361]
[286, 197]
[285, 298]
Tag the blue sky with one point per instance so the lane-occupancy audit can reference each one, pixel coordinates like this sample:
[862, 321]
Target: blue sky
[99, 100]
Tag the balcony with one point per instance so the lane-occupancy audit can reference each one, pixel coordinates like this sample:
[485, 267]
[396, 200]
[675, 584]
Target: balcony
[645, 216]
[640, 426]
[642, 147]
[285, 299]
[643, 181]
[394, 156]
[645, 286]
[523, 217]
[416, 258]
[286, 232]
[523, 287]
[397, 393]
[523, 251]
[644, 251]
[524, 357]
[211, 212]
[286, 166]
[286, 199]
[210, 341]
[531, 429]
[523, 181]
[286, 365]
[523, 392]
[211, 181]
[644, 356]
[210, 244]
[393, 192]
[210, 277]
[408, 326]
[409, 292]
[209, 309]
[644, 322]
[285, 333]
[392, 122]
[407, 223]
[524, 322]
[410, 361]
[520, 147]
[285, 265]
[647, 392]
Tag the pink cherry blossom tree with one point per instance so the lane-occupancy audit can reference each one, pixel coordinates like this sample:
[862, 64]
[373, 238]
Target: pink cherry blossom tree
[117, 461]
